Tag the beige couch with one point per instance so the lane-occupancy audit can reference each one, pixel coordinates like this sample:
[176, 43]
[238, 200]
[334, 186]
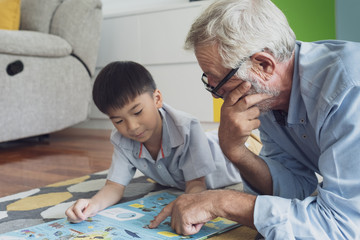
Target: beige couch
[46, 67]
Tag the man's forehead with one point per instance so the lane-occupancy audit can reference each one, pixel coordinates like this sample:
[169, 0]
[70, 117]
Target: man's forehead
[210, 61]
[208, 55]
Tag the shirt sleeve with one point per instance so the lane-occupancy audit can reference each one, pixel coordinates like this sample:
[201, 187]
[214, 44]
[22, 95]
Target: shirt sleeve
[334, 212]
[196, 160]
[291, 179]
[121, 170]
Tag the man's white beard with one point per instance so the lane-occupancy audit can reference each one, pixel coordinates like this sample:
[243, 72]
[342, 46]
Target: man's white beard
[246, 74]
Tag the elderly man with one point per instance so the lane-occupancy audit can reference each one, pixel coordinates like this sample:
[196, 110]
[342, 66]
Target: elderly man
[305, 100]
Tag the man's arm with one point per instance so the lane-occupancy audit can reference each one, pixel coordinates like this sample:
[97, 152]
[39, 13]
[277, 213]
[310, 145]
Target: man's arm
[239, 117]
[333, 214]
[189, 212]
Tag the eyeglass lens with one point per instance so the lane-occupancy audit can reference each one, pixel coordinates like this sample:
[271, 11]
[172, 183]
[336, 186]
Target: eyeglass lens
[212, 89]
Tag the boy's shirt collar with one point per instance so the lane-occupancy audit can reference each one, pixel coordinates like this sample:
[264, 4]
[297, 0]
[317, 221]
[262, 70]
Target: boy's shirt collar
[167, 142]
[171, 136]
[170, 129]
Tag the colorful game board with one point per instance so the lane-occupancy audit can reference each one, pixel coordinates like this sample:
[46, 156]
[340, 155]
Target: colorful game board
[123, 221]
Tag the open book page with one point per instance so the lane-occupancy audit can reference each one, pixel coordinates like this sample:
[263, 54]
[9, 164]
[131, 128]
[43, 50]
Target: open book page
[127, 220]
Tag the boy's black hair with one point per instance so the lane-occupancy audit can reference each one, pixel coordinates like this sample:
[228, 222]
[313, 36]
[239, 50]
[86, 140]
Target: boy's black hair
[119, 83]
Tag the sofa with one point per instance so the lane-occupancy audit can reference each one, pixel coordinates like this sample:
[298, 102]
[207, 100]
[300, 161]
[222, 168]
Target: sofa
[46, 67]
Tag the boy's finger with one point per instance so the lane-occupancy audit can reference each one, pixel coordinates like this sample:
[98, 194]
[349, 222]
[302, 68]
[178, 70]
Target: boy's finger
[79, 208]
[89, 211]
[79, 213]
[70, 216]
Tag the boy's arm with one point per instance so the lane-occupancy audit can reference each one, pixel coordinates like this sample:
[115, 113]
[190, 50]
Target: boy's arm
[108, 195]
[196, 185]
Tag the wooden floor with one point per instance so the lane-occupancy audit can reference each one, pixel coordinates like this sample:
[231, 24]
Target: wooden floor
[66, 154]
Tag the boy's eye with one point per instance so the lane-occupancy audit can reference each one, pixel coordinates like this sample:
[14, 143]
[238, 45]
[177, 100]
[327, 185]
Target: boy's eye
[137, 113]
[118, 122]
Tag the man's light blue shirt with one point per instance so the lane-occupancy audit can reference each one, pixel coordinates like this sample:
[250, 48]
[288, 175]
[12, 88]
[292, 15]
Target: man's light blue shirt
[320, 134]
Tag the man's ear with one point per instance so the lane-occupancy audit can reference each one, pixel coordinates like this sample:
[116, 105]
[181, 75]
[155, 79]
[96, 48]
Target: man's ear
[264, 62]
[158, 98]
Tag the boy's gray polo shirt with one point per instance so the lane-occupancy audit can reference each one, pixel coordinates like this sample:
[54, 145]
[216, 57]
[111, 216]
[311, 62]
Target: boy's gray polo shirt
[187, 154]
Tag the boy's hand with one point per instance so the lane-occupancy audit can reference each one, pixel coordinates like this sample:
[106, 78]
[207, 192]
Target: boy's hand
[108, 195]
[81, 210]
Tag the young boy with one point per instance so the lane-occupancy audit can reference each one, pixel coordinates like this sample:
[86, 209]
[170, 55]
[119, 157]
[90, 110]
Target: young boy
[166, 145]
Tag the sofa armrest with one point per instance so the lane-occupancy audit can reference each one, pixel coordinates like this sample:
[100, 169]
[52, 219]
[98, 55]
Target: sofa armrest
[79, 22]
[29, 43]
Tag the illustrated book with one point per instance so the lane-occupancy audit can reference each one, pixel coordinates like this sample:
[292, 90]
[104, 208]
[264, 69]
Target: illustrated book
[128, 220]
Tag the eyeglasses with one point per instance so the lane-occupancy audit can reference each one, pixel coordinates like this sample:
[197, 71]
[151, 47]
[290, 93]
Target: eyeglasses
[214, 90]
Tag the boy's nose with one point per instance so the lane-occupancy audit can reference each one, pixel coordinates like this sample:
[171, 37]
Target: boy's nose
[132, 125]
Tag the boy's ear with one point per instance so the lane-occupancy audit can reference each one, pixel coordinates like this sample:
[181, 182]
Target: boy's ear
[158, 98]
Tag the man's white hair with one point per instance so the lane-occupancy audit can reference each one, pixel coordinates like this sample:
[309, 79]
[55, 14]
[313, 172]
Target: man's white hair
[241, 28]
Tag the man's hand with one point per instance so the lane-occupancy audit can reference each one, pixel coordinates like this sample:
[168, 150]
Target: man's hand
[239, 116]
[189, 212]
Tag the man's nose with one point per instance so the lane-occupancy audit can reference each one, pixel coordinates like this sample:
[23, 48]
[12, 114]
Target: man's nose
[211, 82]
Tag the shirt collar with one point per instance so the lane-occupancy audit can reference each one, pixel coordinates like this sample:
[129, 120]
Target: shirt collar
[171, 137]
[171, 134]
[297, 111]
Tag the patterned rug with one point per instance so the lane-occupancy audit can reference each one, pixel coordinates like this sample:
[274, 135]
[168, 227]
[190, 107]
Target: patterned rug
[49, 203]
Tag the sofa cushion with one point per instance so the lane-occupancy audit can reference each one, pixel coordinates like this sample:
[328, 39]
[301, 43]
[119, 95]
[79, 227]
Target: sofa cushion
[28, 43]
[10, 14]
[37, 14]
[75, 21]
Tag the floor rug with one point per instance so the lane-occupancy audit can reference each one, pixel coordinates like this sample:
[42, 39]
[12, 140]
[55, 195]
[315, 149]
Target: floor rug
[50, 202]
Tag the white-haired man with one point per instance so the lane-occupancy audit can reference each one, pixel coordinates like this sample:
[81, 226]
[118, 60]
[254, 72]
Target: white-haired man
[304, 98]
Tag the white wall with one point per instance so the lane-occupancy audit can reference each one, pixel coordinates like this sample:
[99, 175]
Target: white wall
[152, 32]
[114, 7]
